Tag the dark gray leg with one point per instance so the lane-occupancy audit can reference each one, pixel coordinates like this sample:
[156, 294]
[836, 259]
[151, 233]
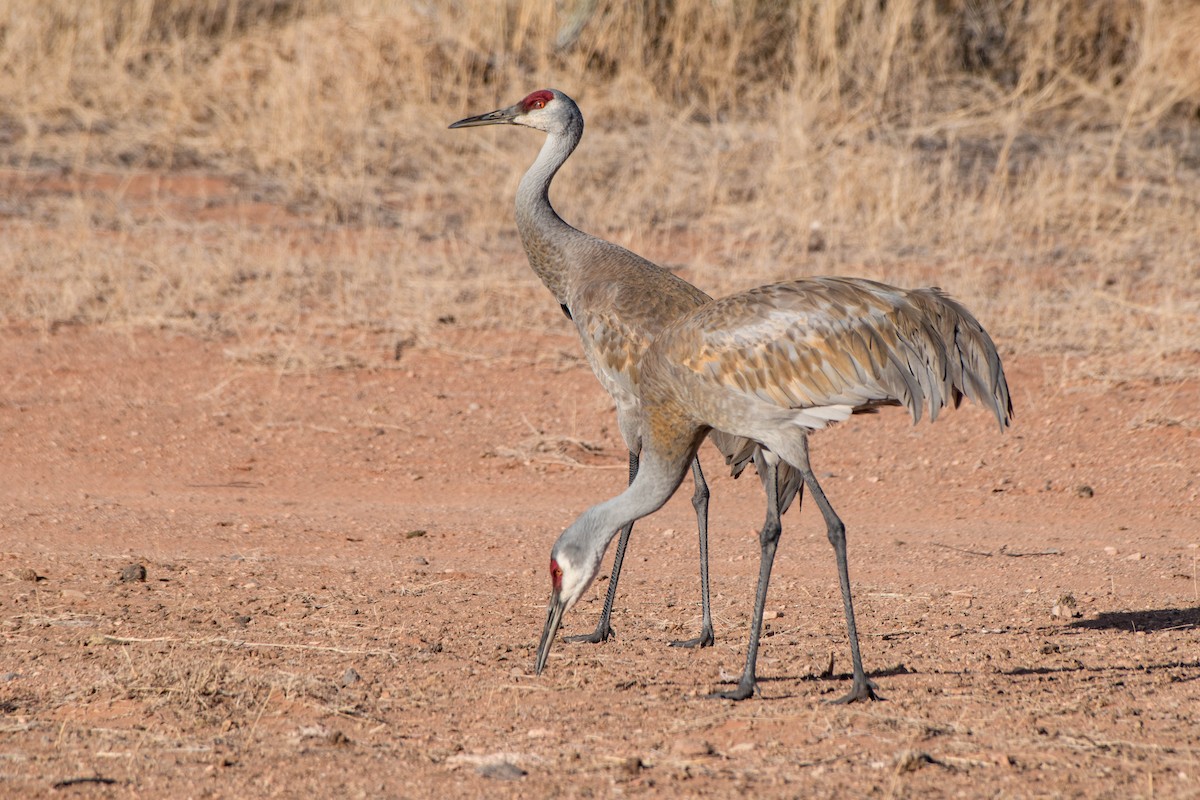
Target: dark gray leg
[700, 503]
[862, 688]
[768, 537]
[603, 628]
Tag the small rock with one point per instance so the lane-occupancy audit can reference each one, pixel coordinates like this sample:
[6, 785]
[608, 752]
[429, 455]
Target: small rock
[415, 534]
[241, 620]
[73, 594]
[1110, 550]
[132, 573]
[422, 560]
[350, 677]
[502, 771]
[1084, 491]
[9, 676]
[1134, 557]
[27, 575]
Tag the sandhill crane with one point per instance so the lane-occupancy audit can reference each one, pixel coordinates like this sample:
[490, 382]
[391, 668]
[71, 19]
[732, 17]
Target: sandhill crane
[619, 302]
[773, 364]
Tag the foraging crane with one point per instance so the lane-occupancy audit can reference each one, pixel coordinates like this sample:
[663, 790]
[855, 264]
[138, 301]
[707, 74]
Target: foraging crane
[619, 303]
[773, 364]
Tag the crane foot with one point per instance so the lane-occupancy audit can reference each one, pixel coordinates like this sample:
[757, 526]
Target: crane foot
[861, 690]
[705, 639]
[744, 691]
[602, 633]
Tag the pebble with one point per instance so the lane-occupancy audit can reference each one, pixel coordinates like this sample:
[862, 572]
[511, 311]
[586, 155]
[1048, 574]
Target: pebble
[502, 771]
[1084, 491]
[350, 677]
[132, 573]
[26, 574]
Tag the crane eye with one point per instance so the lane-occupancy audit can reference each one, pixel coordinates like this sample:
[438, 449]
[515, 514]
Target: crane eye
[539, 103]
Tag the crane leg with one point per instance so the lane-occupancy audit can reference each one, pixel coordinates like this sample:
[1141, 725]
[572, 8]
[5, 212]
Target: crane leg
[603, 628]
[700, 503]
[768, 538]
[862, 688]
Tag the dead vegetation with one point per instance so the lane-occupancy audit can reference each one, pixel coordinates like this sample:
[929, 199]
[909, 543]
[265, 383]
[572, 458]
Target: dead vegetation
[238, 167]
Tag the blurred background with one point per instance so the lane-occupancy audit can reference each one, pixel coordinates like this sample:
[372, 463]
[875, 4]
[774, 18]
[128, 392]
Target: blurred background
[280, 170]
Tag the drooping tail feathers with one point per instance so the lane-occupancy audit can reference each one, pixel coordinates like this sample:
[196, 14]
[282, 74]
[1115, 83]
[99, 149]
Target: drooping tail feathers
[971, 363]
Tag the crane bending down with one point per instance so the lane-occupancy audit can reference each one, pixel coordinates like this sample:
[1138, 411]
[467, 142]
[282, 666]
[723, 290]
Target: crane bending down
[773, 364]
[619, 303]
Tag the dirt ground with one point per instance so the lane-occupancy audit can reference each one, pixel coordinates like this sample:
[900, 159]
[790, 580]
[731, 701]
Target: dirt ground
[345, 583]
[345, 580]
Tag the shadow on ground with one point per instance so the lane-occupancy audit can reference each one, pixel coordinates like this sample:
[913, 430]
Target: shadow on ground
[1158, 619]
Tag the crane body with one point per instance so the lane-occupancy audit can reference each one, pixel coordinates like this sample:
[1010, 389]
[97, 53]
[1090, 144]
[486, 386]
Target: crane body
[772, 365]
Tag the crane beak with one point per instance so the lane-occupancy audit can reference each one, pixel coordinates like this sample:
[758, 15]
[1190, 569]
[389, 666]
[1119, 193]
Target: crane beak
[554, 615]
[500, 116]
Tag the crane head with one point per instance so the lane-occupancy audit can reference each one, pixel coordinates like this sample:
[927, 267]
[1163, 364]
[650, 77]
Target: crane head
[574, 562]
[547, 110]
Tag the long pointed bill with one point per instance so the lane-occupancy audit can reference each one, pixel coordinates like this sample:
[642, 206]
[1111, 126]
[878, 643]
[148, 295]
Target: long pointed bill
[498, 117]
[554, 614]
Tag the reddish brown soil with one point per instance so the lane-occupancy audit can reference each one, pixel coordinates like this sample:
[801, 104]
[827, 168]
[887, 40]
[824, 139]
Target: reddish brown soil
[395, 520]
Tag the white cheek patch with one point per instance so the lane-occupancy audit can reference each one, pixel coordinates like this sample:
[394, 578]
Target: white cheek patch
[572, 583]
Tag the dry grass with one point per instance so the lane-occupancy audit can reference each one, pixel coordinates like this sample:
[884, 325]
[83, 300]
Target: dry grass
[1040, 161]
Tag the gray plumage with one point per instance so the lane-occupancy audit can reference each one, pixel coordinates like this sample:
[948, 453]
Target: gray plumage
[772, 365]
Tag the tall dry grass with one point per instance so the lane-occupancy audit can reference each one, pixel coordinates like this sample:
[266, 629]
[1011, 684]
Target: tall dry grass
[1039, 160]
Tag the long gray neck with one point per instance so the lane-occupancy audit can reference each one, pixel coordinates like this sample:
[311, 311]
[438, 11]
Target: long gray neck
[543, 232]
[588, 537]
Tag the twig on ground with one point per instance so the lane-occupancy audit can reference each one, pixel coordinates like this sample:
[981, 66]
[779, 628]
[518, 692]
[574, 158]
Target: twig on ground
[963, 550]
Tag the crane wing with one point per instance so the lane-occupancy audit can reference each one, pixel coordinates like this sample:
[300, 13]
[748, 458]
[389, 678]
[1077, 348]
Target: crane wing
[828, 347]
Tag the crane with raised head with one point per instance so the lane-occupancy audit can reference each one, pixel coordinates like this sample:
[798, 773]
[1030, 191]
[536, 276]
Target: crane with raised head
[772, 365]
[619, 302]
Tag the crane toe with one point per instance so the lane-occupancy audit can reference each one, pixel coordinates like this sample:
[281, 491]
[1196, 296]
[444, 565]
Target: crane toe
[705, 639]
[744, 691]
[861, 690]
[602, 634]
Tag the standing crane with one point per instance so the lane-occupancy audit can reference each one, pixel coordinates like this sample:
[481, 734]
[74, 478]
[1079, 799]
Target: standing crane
[619, 303]
[772, 365]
